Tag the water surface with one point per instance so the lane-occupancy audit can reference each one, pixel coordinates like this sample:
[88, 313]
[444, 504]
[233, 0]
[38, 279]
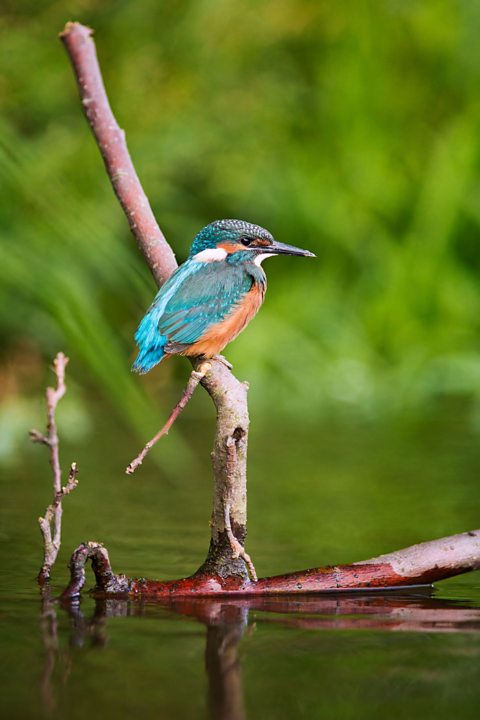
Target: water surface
[330, 494]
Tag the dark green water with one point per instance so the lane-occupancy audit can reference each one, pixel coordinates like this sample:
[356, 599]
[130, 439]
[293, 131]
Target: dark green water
[329, 494]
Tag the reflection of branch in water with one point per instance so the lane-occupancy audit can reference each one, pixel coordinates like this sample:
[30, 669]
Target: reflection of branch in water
[80, 630]
[392, 613]
[227, 620]
[48, 620]
[225, 689]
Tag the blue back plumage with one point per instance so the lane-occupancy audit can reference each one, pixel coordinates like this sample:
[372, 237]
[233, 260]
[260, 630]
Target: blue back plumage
[197, 296]
[150, 341]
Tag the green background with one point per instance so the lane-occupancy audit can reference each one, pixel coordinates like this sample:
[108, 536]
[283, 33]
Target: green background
[348, 128]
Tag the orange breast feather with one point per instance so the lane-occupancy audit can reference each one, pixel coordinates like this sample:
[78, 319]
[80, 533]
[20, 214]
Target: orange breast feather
[219, 335]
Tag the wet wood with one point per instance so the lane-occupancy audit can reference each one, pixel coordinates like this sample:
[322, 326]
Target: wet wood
[421, 564]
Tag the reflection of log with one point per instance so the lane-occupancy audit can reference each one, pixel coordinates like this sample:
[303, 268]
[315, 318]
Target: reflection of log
[416, 565]
[392, 613]
[227, 621]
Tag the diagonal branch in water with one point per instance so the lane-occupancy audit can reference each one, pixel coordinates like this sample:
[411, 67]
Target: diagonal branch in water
[51, 523]
[195, 377]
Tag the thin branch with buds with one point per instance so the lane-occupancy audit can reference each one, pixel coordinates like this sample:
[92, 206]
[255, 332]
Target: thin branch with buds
[195, 377]
[51, 522]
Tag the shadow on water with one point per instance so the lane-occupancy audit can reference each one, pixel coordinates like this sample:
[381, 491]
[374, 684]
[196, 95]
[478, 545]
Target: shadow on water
[226, 622]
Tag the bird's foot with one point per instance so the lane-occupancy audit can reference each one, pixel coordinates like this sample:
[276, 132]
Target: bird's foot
[223, 360]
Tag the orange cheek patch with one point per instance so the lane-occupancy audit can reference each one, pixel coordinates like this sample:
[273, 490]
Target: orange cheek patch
[230, 247]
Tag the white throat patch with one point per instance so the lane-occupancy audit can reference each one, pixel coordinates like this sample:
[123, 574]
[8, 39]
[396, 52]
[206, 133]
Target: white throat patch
[210, 255]
[263, 256]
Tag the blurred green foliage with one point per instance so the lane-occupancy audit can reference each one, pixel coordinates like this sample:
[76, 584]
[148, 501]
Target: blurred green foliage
[347, 128]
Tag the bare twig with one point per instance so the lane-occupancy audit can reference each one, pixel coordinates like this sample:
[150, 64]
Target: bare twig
[52, 520]
[195, 377]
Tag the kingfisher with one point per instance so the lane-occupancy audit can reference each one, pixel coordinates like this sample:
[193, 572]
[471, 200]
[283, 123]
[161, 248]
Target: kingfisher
[212, 296]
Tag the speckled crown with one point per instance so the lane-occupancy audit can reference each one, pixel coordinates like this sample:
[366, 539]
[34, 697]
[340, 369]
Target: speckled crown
[224, 231]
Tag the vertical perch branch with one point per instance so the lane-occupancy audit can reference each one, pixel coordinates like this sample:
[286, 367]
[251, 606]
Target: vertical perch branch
[230, 474]
[228, 393]
[53, 515]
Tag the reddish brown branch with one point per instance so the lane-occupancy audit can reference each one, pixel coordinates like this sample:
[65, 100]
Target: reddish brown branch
[195, 377]
[111, 142]
[52, 520]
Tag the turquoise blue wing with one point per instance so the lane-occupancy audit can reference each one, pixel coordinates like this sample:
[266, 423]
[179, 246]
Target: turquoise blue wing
[151, 343]
[204, 298]
[195, 297]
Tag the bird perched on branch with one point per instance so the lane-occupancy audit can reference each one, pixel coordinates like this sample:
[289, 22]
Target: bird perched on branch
[212, 297]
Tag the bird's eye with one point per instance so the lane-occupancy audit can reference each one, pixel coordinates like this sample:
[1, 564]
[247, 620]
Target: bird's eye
[246, 241]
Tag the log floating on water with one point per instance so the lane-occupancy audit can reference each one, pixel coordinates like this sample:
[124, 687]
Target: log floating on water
[421, 564]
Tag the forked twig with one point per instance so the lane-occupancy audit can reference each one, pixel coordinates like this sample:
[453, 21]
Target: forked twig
[52, 520]
[195, 377]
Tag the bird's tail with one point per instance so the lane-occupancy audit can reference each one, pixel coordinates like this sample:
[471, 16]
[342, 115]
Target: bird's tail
[151, 345]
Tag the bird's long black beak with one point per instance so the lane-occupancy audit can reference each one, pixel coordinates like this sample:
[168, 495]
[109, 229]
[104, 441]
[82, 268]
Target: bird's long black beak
[278, 248]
